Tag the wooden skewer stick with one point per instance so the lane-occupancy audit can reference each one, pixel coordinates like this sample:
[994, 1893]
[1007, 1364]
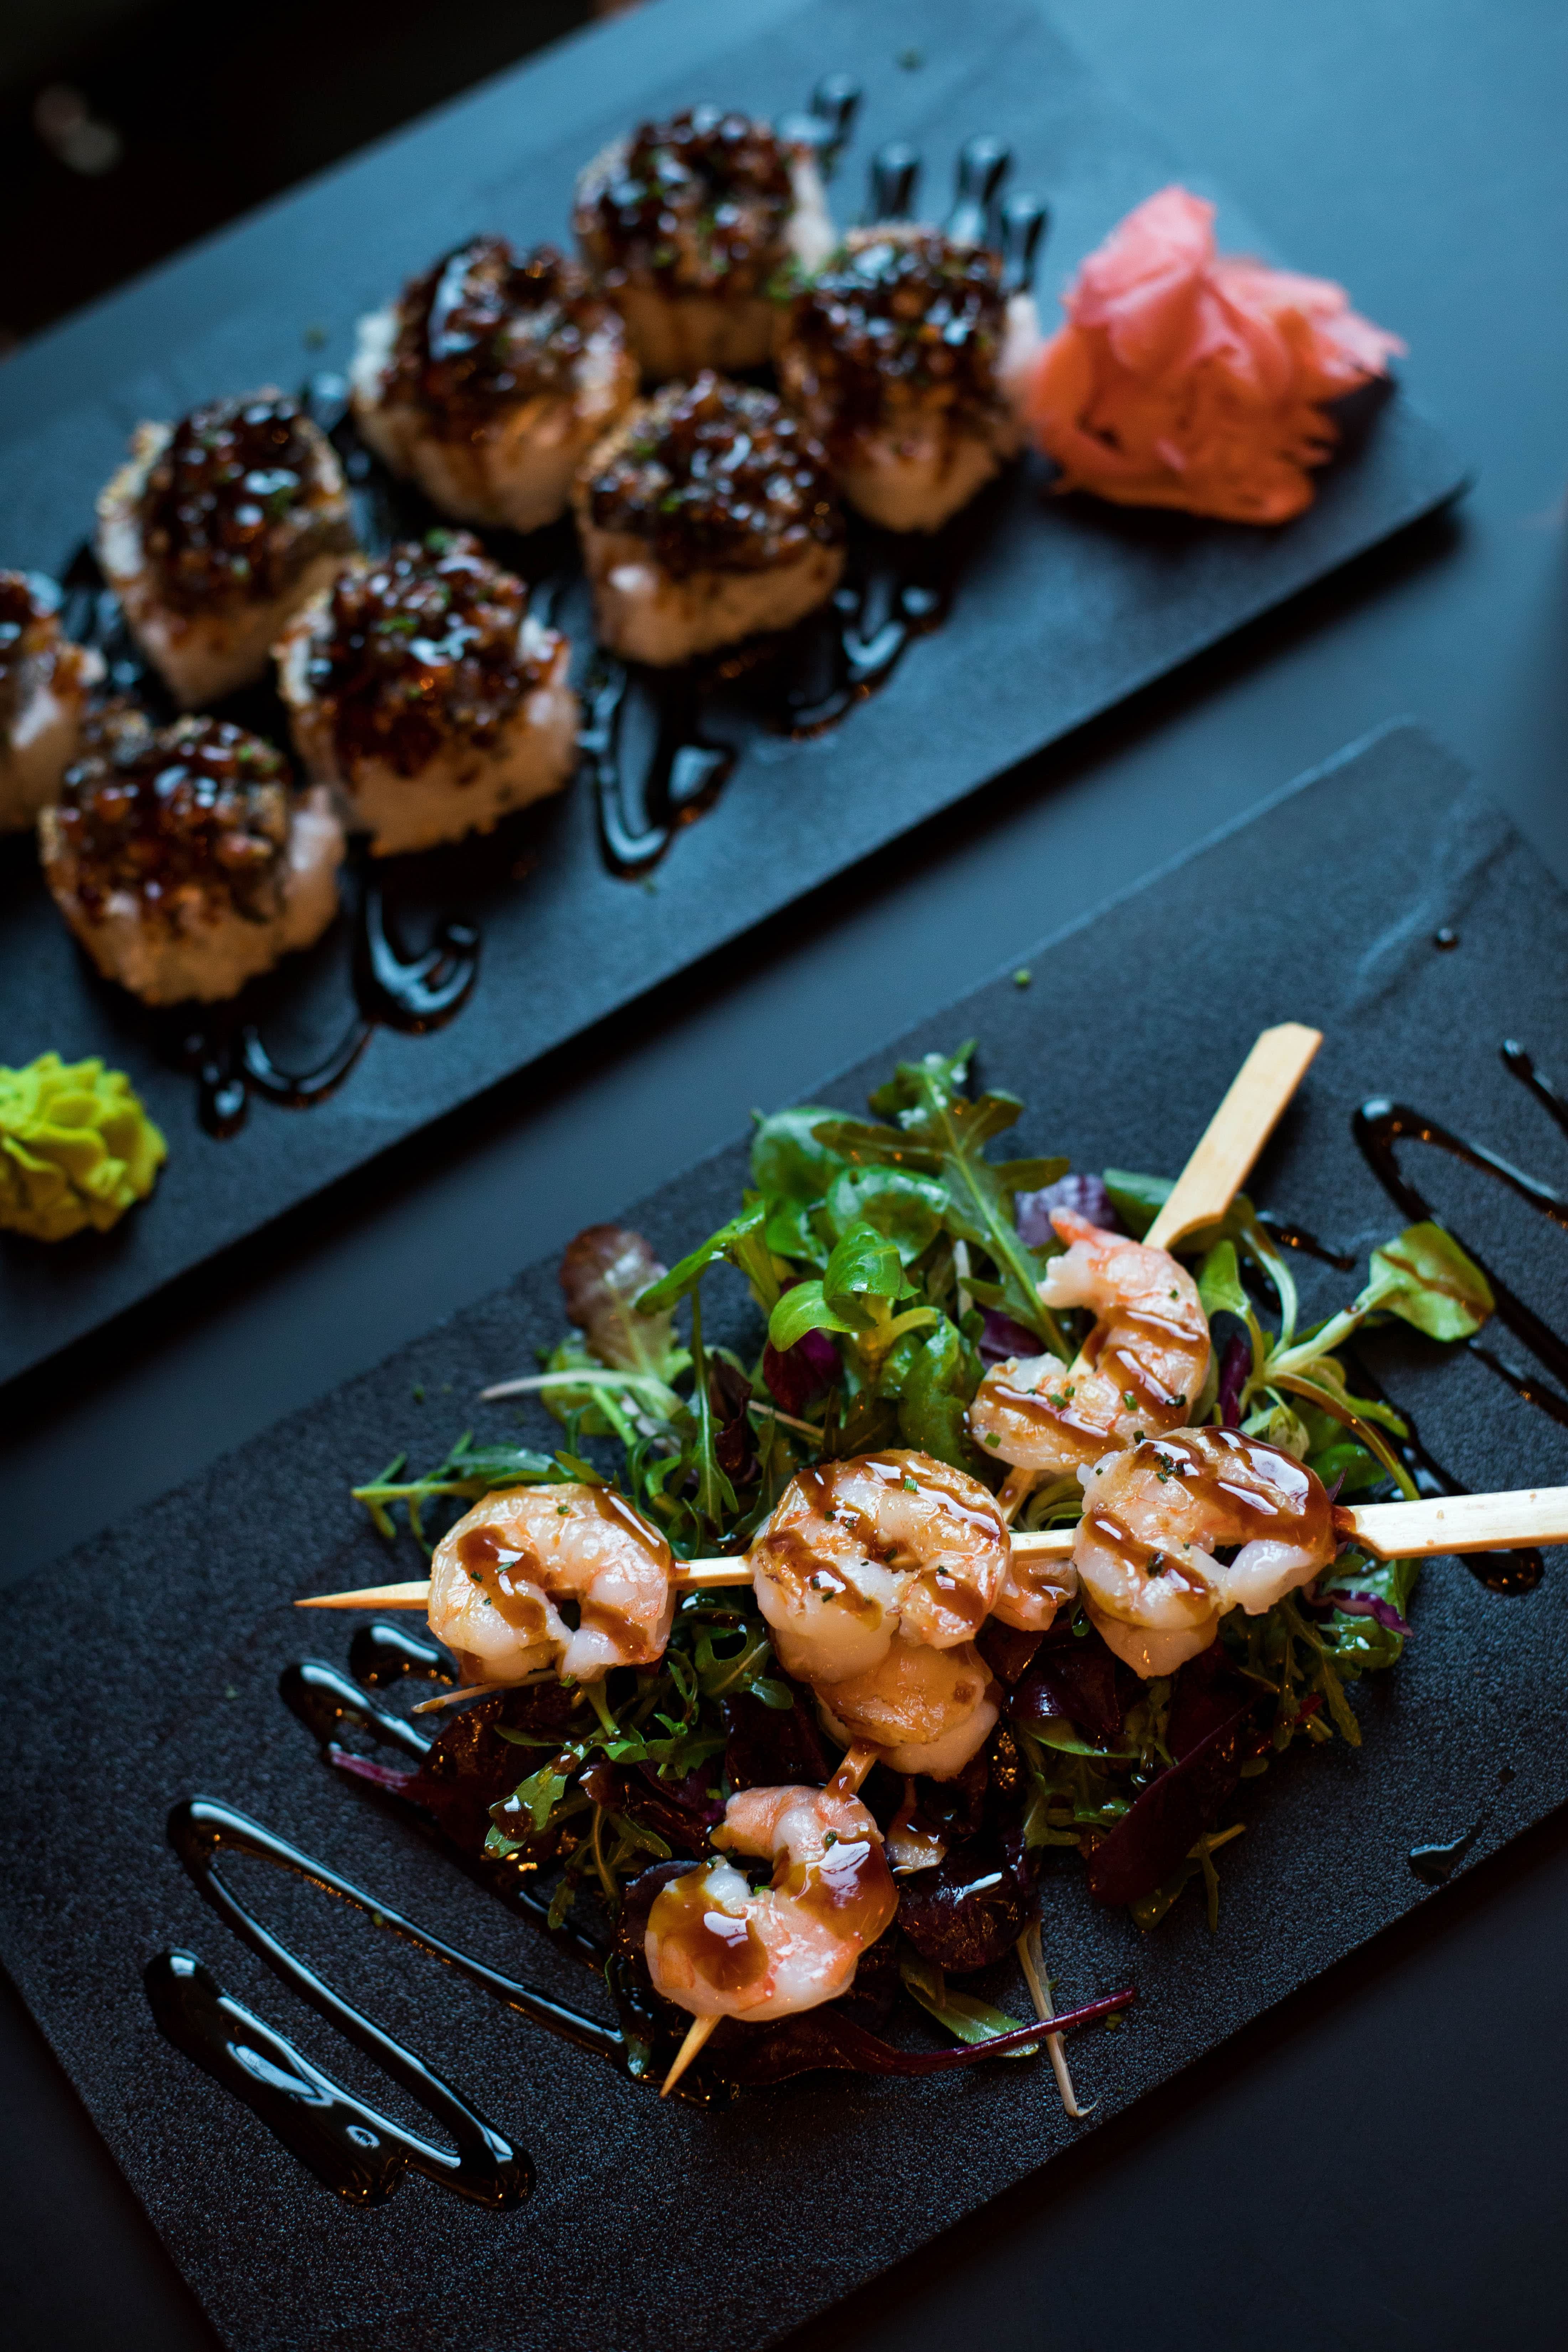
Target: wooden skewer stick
[1230, 1146]
[1458, 1523]
[1449, 1523]
[691, 1576]
[1227, 1153]
[696, 2035]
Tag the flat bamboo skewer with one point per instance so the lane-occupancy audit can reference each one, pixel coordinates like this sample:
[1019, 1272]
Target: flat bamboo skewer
[1226, 1152]
[1447, 1523]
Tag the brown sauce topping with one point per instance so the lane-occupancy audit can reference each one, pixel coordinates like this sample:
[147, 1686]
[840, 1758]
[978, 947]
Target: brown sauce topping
[897, 318]
[489, 1560]
[848, 1885]
[482, 332]
[716, 476]
[29, 636]
[1113, 1346]
[513, 1571]
[421, 648]
[245, 493]
[727, 1954]
[825, 1492]
[1228, 1488]
[195, 813]
[698, 205]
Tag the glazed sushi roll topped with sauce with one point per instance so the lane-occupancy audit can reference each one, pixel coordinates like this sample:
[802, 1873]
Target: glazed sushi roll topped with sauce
[420, 687]
[184, 860]
[903, 356]
[706, 517]
[490, 379]
[686, 223]
[45, 682]
[218, 529]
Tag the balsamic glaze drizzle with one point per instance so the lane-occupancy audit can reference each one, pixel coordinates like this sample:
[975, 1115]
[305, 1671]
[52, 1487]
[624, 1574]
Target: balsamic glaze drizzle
[1379, 1126]
[322, 1697]
[1436, 1864]
[351, 2146]
[411, 994]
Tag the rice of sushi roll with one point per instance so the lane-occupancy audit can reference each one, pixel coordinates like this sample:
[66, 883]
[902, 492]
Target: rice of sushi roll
[45, 683]
[490, 379]
[686, 223]
[184, 860]
[218, 529]
[422, 689]
[706, 517]
[904, 355]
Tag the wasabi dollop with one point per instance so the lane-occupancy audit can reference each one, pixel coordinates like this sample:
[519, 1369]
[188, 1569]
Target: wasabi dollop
[76, 1148]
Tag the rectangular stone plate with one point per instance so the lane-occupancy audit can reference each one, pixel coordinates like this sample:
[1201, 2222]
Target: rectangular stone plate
[665, 2226]
[1063, 607]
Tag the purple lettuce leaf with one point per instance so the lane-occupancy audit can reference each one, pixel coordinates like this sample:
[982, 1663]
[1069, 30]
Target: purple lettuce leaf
[1085, 1195]
[1002, 1338]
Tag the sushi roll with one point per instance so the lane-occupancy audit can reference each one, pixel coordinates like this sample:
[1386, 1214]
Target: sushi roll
[489, 381]
[686, 223]
[183, 859]
[421, 688]
[902, 356]
[45, 682]
[215, 531]
[707, 515]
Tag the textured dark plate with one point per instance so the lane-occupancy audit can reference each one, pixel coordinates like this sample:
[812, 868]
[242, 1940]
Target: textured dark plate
[147, 1666]
[1063, 607]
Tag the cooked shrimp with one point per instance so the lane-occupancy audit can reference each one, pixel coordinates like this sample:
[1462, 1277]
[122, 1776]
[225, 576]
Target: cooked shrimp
[1153, 1520]
[1143, 1368]
[884, 1545]
[926, 1710]
[504, 1576]
[720, 1948]
[1033, 1591]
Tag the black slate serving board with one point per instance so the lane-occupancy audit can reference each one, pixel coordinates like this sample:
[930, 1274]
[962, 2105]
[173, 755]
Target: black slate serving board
[665, 2226]
[1064, 607]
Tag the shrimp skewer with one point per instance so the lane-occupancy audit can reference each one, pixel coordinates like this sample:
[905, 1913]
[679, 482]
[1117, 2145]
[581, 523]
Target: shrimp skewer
[1230, 1144]
[875, 1574]
[719, 1947]
[1154, 1519]
[502, 1578]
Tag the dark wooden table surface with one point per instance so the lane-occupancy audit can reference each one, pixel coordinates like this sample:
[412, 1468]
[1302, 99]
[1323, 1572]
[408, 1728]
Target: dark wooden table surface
[1382, 2164]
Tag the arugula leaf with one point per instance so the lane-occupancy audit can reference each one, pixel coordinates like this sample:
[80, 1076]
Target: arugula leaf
[715, 1495]
[941, 1134]
[467, 1471]
[740, 1243]
[1425, 1278]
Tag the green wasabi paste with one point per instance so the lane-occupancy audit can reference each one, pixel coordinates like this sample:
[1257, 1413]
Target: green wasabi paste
[76, 1148]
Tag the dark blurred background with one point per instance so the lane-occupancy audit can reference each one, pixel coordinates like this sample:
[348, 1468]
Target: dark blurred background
[128, 128]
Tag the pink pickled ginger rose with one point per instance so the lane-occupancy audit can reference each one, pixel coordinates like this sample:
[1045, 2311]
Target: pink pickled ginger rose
[1183, 379]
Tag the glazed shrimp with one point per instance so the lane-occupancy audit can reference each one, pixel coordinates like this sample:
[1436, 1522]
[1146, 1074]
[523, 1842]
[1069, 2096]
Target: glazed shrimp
[1143, 1366]
[926, 1710]
[1153, 1520]
[501, 1577]
[720, 1948]
[884, 1545]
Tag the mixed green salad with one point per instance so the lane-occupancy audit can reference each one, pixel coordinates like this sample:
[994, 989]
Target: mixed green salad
[883, 1263]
